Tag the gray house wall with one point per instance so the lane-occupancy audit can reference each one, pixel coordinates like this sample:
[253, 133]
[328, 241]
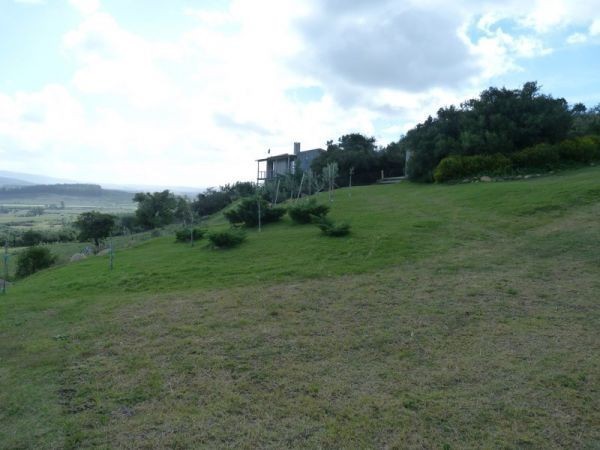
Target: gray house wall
[304, 159]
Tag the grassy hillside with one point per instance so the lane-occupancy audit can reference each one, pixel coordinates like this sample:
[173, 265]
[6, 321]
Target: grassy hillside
[452, 317]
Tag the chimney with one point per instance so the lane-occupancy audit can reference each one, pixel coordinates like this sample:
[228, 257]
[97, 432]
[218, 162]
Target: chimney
[296, 148]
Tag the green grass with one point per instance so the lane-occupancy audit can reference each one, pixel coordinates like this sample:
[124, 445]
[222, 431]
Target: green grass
[458, 316]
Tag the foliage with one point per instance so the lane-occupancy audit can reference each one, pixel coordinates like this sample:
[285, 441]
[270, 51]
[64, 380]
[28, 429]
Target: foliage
[541, 156]
[585, 121]
[33, 259]
[184, 234]
[239, 189]
[580, 150]
[352, 151]
[210, 202]
[392, 159]
[246, 213]
[226, 238]
[31, 237]
[457, 166]
[155, 209]
[37, 211]
[330, 228]
[214, 200]
[499, 121]
[128, 223]
[306, 211]
[94, 225]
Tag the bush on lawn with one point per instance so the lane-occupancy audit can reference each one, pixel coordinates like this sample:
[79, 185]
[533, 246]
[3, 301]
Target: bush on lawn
[246, 213]
[183, 235]
[226, 238]
[306, 212]
[33, 259]
[457, 166]
[330, 228]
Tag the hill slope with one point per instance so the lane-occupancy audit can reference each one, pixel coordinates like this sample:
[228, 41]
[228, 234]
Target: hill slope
[463, 316]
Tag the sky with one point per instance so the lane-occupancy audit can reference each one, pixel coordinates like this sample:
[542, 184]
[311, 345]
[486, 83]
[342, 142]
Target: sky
[192, 92]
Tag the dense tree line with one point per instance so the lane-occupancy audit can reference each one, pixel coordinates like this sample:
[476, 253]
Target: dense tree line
[499, 121]
[358, 156]
[83, 190]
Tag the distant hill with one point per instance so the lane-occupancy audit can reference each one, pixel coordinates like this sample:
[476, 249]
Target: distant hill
[88, 195]
[6, 181]
[29, 178]
[75, 190]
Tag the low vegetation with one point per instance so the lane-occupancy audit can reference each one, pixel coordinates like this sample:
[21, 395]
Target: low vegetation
[541, 157]
[252, 210]
[307, 211]
[226, 238]
[189, 234]
[34, 259]
[330, 228]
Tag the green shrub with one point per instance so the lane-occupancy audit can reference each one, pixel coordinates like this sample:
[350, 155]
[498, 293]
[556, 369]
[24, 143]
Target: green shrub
[541, 156]
[31, 237]
[246, 213]
[226, 238]
[307, 211]
[33, 259]
[330, 228]
[583, 149]
[457, 166]
[184, 234]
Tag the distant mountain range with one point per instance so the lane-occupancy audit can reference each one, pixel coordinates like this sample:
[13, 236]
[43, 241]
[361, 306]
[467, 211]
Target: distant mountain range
[23, 179]
[27, 179]
[5, 181]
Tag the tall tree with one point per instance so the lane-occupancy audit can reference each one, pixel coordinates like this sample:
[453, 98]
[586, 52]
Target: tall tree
[352, 151]
[94, 225]
[155, 209]
[499, 121]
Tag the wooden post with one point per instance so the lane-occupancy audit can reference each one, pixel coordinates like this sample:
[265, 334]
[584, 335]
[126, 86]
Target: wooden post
[111, 253]
[277, 190]
[5, 258]
[259, 219]
[300, 189]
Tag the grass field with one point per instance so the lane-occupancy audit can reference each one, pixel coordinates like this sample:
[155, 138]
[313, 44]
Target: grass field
[459, 316]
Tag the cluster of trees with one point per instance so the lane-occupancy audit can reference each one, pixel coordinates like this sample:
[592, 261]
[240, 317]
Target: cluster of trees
[358, 157]
[500, 121]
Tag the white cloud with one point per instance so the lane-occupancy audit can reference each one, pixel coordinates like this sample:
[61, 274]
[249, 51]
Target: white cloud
[86, 7]
[576, 38]
[198, 109]
[31, 2]
[595, 28]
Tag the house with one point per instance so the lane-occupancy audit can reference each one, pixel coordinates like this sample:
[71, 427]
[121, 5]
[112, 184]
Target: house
[274, 166]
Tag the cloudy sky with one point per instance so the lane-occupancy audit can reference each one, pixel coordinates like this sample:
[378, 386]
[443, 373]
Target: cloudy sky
[191, 92]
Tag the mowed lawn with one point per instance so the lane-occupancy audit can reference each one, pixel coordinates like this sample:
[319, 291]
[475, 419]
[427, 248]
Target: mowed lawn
[461, 316]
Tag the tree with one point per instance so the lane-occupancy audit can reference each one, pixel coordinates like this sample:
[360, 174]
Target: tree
[94, 225]
[156, 209]
[352, 151]
[499, 121]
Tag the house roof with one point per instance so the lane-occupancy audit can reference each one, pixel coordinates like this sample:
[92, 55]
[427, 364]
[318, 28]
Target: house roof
[291, 156]
[282, 156]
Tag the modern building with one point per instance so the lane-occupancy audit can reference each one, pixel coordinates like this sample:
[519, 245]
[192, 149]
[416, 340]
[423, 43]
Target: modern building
[274, 166]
